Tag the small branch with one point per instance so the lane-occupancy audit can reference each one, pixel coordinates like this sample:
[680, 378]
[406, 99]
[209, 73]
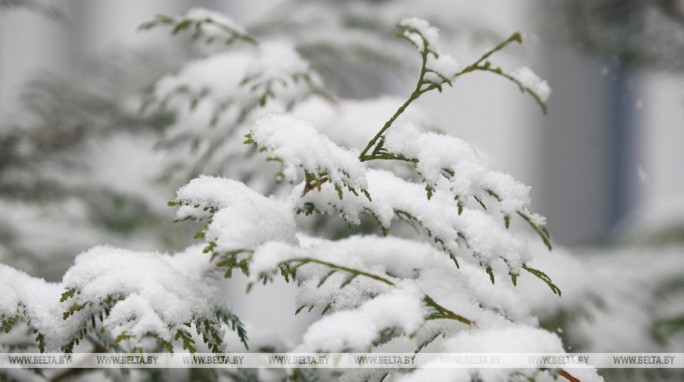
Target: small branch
[306, 260]
[515, 37]
[444, 313]
[441, 312]
[414, 96]
[569, 376]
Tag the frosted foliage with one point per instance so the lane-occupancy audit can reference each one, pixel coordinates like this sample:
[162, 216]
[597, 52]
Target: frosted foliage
[529, 79]
[272, 71]
[513, 339]
[242, 218]
[473, 231]
[421, 33]
[35, 300]
[156, 293]
[279, 65]
[299, 146]
[467, 174]
[440, 67]
[401, 308]
[202, 14]
[395, 259]
[349, 122]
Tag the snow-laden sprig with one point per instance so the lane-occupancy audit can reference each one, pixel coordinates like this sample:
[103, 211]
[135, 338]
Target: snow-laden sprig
[438, 69]
[202, 23]
[34, 302]
[236, 83]
[134, 296]
[465, 232]
[520, 339]
[298, 146]
[118, 300]
[238, 218]
[450, 164]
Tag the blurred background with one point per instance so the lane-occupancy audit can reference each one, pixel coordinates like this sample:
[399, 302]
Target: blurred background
[78, 164]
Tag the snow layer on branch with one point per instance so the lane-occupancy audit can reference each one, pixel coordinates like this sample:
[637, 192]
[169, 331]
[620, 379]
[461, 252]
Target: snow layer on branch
[401, 308]
[421, 33]
[35, 300]
[203, 14]
[444, 158]
[350, 123]
[299, 146]
[472, 231]
[466, 290]
[440, 67]
[529, 79]
[239, 80]
[512, 339]
[242, 218]
[157, 293]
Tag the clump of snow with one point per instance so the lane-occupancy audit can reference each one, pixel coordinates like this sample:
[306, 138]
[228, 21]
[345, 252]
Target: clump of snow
[154, 297]
[515, 339]
[440, 67]
[472, 231]
[299, 146]
[351, 123]
[421, 33]
[36, 301]
[531, 80]
[512, 339]
[401, 308]
[242, 218]
[471, 176]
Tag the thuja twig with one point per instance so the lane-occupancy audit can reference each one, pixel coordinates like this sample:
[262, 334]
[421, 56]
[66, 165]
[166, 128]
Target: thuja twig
[440, 312]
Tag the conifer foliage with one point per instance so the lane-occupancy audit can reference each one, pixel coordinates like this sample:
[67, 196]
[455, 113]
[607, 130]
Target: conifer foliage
[447, 287]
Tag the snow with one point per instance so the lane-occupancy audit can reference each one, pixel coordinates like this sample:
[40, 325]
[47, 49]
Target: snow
[237, 81]
[202, 14]
[473, 177]
[421, 33]
[485, 238]
[37, 301]
[515, 339]
[440, 66]
[356, 329]
[351, 123]
[243, 218]
[530, 80]
[299, 146]
[156, 297]
[512, 339]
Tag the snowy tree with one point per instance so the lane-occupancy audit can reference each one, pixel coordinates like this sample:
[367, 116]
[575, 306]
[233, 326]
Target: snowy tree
[450, 286]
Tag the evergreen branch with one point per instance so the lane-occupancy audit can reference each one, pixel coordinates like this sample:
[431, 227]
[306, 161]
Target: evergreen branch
[440, 312]
[306, 260]
[444, 313]
[196, 25]
[523, 88]
[543, 277]
[414, 96]
[515, 37]
[541, 230]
